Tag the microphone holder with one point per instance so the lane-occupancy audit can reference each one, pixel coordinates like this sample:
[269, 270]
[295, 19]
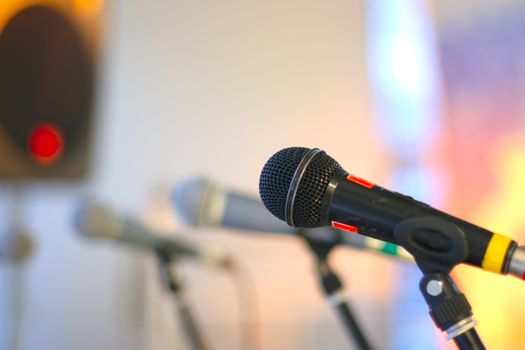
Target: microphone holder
[334, 290]
[174, 285]
[448, 306]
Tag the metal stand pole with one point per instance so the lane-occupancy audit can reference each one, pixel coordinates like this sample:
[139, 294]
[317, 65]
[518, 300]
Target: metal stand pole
[174, 286]
[334, 292]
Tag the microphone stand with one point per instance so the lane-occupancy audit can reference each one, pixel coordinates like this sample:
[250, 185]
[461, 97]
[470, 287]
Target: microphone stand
[174, 285]
[334, 290]
[448, 306]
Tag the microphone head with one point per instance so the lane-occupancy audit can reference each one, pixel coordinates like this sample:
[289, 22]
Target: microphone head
[97, 221]
[293, 182]
[187, 198]
[200, 202]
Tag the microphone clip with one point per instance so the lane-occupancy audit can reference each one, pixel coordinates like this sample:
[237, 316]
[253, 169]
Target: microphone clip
[437, 246]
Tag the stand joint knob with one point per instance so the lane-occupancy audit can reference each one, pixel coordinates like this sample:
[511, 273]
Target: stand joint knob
[434, 287]
[449, 308]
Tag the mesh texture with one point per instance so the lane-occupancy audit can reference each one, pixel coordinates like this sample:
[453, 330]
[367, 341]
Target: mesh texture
[313, 185]
[276, 177]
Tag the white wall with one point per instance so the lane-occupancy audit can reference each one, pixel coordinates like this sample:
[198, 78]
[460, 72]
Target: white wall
[214, 88]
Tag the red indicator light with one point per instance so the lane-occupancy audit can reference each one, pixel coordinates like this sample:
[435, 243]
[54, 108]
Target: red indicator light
[360, 181]
[344, 227]
[46, 144]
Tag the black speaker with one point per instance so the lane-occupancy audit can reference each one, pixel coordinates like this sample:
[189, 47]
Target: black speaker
[47, 81]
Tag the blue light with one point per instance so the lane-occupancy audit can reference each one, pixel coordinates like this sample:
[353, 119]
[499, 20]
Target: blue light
[405, 86]
[402, 67]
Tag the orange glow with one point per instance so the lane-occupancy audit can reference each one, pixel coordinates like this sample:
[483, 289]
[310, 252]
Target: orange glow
[496, 300]
[81, 8]
[88, 8]
[9, 7]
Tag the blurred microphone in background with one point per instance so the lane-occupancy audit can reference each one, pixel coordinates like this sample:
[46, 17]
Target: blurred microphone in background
[202, 203]
[97, 221]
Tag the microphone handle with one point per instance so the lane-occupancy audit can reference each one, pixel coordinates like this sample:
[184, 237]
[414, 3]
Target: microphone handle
[371, 210]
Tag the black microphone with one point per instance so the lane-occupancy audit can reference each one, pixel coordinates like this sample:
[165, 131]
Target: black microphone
[201, 202]
[97, 221]
[307, 188]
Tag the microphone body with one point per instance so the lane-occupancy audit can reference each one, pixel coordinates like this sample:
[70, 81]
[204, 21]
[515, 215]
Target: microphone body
[202, 203]
[96, 221]
[316, 191]
[375, 211]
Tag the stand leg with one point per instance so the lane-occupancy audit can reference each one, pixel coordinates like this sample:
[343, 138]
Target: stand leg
[334, 291]
[188, 321]
[469, 340]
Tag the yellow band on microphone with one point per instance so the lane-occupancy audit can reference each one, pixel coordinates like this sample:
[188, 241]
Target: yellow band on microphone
[496, 253]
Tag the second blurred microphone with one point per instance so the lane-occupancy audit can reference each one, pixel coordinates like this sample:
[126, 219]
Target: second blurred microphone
[202, 203]
[97, 221]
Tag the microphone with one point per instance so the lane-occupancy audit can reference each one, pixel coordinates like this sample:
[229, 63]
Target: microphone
[202, 203]
[96, 221]
[308, 188]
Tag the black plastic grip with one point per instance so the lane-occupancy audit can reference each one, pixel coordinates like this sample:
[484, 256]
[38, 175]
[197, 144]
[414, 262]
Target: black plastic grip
[376, 211]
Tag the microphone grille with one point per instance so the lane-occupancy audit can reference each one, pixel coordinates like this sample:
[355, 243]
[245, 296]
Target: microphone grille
[276, 177]
[313, 185]
[95, 220]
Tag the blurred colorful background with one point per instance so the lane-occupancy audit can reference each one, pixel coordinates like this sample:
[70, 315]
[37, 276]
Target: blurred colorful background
[422, 97]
